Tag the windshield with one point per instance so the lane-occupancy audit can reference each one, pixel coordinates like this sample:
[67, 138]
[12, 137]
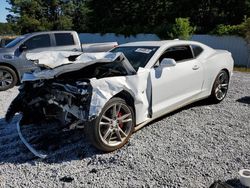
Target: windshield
[138, 56]
[14, 42]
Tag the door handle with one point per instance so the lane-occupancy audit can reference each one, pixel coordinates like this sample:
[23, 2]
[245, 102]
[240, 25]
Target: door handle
[196, 67]
[75, 50]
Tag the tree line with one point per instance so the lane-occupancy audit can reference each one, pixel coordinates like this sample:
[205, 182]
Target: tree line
[126, 17]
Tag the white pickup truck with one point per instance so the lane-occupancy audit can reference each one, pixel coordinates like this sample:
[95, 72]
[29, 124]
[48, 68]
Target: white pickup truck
[13, 61]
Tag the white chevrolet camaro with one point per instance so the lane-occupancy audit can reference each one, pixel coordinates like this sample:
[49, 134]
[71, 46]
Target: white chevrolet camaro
[115, 93]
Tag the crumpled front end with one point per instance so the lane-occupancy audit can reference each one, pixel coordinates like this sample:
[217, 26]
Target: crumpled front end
[64, 92]
[42, 101]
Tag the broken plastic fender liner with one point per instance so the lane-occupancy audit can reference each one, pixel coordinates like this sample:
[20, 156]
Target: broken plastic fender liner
[36, 153]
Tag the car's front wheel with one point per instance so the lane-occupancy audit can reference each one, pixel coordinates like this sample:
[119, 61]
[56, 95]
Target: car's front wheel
[112, 129]
[8, 78]
[220, 87]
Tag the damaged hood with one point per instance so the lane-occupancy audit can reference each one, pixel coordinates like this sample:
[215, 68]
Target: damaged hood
[62, 62]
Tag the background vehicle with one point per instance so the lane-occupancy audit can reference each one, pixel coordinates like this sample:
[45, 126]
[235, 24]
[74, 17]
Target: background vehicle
[13, 62]
[113, 94]
[5, 40]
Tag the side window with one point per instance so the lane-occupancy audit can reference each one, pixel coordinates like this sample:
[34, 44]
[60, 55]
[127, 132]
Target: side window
[64, 39]
[39, 41]
[178, 53]
[197, 50]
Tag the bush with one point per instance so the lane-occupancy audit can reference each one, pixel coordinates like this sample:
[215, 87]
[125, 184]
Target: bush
[246, 29]
[228, 30]
[182, 29]
[242, 30]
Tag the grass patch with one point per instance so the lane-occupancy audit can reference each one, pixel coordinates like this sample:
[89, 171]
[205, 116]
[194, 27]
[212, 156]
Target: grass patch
[242, 69]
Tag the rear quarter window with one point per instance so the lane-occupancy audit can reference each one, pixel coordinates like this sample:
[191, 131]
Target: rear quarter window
[197, 50]
[64, 39]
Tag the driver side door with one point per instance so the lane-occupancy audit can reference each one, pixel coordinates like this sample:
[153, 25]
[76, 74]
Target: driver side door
[174, 86]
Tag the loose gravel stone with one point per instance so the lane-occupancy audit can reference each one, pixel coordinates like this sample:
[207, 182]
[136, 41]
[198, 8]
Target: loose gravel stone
[192, 147]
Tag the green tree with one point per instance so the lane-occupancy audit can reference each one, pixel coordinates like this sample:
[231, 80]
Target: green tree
[207, 14]
[6, 29]
[41, 15]
[127, 16]
[80, 16]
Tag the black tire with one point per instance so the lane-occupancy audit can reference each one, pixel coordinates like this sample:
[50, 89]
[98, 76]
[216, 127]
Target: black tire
[8, 78]
[220, 87]
[97, 130]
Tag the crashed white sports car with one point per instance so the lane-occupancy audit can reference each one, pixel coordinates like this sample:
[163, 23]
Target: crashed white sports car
[115, 93]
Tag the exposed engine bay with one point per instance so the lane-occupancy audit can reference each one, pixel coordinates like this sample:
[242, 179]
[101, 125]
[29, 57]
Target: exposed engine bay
[45, 100]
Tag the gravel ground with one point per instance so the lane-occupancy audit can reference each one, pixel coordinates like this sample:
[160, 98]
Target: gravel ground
[189, 148]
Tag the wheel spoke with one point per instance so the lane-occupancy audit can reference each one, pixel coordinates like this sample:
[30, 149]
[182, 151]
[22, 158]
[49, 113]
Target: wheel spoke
[104, 123]
[122, 118]
[7, 76]
[3, 83]
[222, 78]
[216, 90]
[1, 73]
[122, 132]
[224, 86]
[106, 118]
[114, 112]
[219, 94]
[118, 109]
[109, 137]
[107, 134]
[117, 132]
[7, 82]
[126, 120]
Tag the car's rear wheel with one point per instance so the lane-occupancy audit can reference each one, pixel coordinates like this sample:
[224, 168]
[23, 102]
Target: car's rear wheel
[114, 126]
[220, 87]
[8, 78]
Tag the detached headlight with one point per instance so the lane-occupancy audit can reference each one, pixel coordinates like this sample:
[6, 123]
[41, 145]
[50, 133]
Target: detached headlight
[8, 57]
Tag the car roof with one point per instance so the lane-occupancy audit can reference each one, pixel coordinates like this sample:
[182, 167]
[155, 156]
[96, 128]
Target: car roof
[160, 43]
[48, 32]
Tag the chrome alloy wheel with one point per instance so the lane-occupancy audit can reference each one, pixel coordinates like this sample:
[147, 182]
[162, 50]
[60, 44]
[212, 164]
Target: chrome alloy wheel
[6, 79]
[115, 124]
[221, 86]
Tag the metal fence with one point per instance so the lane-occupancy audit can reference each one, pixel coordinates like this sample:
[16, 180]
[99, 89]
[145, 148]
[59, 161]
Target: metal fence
[236, 45]
[111, 37]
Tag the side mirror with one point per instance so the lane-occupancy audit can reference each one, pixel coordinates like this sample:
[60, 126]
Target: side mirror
[167, 62]
[23, 47]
